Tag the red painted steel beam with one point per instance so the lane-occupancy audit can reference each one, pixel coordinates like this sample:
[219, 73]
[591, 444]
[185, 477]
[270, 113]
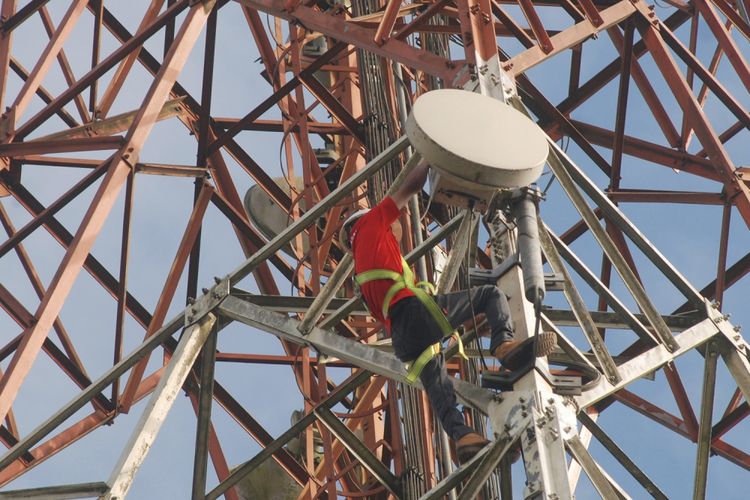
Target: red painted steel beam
[344, 31]
[322, 128]
[7, 10]
[100, 207]
[733, 16]
[540, 32]
[39, 289]
[269, 359]
[736, 190]
[41, 217]
[64, 65]
[48, 56]
[732, 275]
[23, 13]
[673, 423]
[654, 196]
[730, 421]
[610, 71]
[421, 20]
[123, 69]
[255, 429]
[91, 264]
[170, 287]
[655, 153]
[725, 41]
[55, 445]
[108, 63]
[270, 101]
[709, 79]
[512, 26]
[24, 318]
[42, 147]
[43, 94]
[337, 110]
[654, 104]
[387, 22]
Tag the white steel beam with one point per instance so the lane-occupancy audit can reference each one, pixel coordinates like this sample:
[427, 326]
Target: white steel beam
[158, 407]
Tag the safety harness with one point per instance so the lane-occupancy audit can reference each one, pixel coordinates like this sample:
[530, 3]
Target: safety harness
[406, 280]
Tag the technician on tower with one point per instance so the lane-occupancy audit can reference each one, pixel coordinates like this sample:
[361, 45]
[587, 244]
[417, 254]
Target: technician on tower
[417, 321]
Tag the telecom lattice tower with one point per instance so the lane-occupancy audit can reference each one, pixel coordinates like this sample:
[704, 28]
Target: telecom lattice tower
[133, 130]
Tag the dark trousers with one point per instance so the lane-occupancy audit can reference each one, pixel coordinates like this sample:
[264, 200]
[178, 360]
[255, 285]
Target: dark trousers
[413, 329]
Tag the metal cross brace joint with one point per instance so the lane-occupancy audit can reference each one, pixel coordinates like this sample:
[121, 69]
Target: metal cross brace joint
[206, 303]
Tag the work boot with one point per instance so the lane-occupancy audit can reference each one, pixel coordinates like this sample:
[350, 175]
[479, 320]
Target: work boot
[469, 445]
[515, 354]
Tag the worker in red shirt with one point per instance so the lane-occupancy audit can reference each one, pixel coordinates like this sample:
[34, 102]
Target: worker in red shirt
[416, 327]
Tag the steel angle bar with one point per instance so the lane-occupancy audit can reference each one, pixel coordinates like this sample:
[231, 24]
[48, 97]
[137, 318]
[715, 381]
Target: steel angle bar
[590, 467]
[62, 492]
[568, 38]
[615, 321]
[205, 400]
[318, 209]
[579, 308]
[114, 124]
[435, 238]
[359, 450]
[458, 252]
[346, 265]
[336, 27]
[704, 425]
[621, 456]
[738, 365]
[158, 407]
[497, 450]
[102, 68]
[614, 215]
[450, 482]
[333, 399]
[90, 392]
[21, 15]
[324, 341]
[568, 347]
[48, 56]
[560, 165]
[593, 281]
[40, 218]
[651, 360]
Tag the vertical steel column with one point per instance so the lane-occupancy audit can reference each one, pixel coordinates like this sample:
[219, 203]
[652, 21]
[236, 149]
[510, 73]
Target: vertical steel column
[158, 407]
[704, 429]
[205, 400]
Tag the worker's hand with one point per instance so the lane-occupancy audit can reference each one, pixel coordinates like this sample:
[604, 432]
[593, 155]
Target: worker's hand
[412, 184]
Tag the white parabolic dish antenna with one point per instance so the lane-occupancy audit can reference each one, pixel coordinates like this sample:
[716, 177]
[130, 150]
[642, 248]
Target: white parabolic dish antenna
[477, 140]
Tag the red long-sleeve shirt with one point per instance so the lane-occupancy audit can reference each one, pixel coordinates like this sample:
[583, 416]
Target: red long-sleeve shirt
[375, 247]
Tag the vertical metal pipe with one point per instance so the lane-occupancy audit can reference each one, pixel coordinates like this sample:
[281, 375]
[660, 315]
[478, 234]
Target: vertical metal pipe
[524, 209]
[704, 429]
[99, 5]
[122, 291]
[205, 399]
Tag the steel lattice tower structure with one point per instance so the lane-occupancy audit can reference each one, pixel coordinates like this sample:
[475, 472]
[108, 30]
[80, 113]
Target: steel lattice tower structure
[132, 130]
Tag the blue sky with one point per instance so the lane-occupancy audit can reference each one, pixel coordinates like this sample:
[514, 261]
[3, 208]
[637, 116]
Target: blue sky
[687, 235]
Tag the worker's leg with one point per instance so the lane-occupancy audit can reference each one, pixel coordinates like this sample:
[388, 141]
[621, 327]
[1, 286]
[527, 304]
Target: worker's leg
[413, 329]
[487, 299]
[442, 396]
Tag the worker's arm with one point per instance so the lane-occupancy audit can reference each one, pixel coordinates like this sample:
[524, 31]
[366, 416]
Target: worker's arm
[412, 184]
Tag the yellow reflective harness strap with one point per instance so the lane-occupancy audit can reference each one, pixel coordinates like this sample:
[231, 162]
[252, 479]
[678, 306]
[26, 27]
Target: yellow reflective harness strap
[406, 280]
